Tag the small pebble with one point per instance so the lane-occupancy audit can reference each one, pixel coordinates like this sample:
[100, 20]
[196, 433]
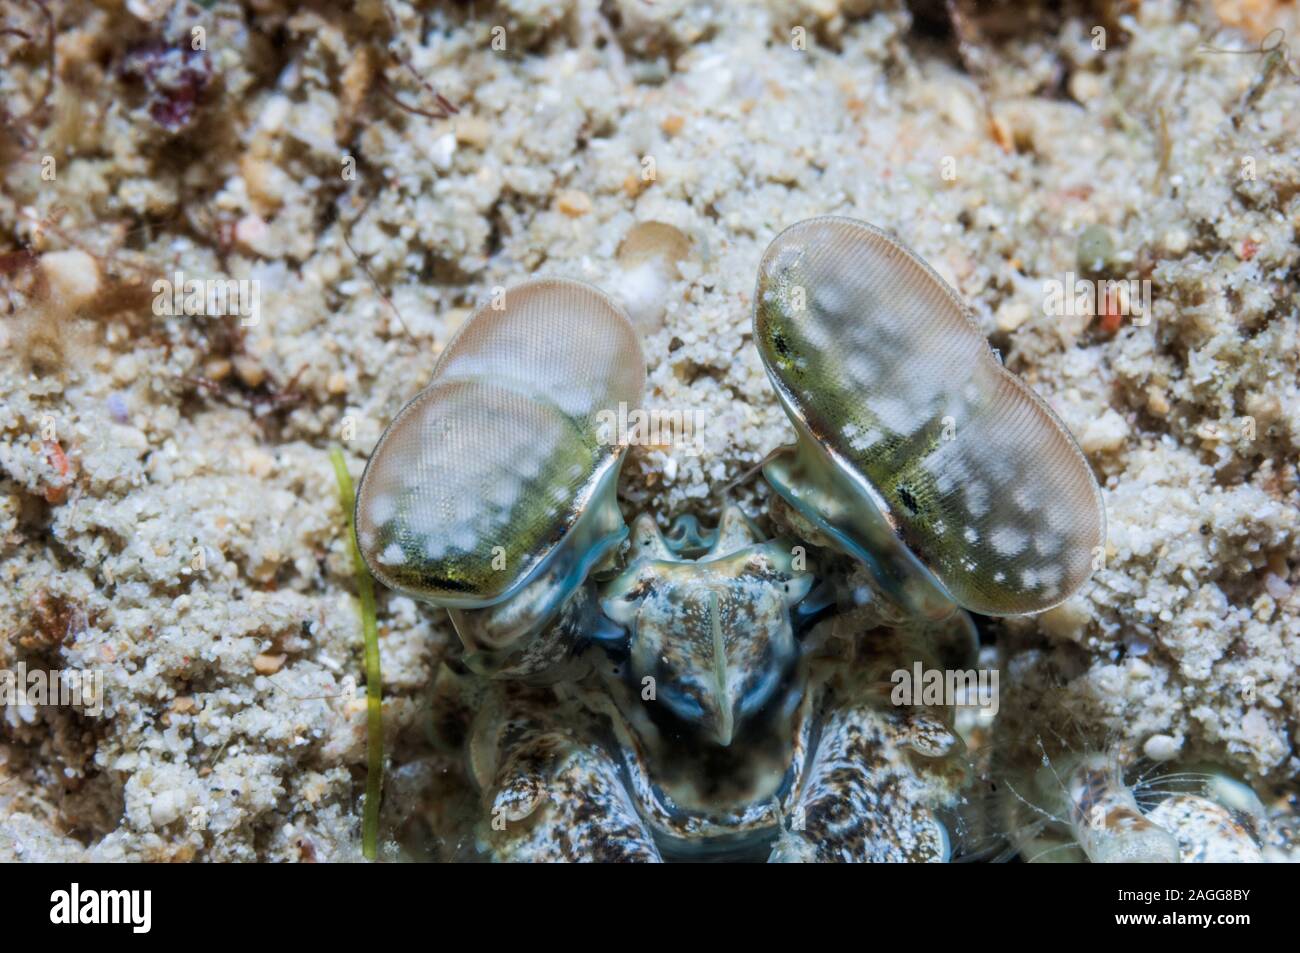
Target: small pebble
[1012, 314]
[1162, 748]
[249, 371]
[573, 203]
[1176, 241]
[265, 182]
[125, 369]
[443, 151]
[1085, 86]
[73, 276]
[1095, 248]
[166, 807]
[1277, 587]
[259, 464]
[217, 369]
[1104, 433]
[251, 232]
[473, 131]
[117, 408]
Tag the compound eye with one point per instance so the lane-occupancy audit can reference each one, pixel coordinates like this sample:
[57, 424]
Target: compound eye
[918, 451]
[500, 467]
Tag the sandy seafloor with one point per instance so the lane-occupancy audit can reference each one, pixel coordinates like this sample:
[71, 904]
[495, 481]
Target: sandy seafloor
[234, 719]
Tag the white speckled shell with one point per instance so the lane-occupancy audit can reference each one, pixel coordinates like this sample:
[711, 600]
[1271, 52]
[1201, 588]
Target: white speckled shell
[485, 473]
[878, 362]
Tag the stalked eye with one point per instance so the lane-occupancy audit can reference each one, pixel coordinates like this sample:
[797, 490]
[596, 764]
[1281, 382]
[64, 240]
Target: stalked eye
[918, 452]
[498, 476]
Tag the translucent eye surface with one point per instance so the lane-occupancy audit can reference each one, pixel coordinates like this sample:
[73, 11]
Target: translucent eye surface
[498, 468]
[912, 431]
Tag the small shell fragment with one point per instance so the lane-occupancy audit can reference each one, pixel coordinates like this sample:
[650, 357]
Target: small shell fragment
[647, 258]
[647, 241]
[268, 663]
